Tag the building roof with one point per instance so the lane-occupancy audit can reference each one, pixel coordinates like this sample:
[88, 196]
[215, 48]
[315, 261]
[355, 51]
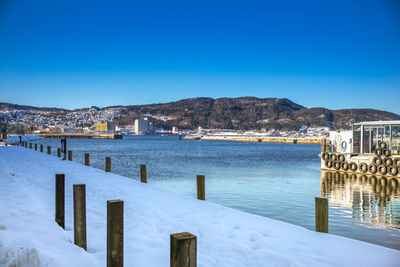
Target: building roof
[378, 123]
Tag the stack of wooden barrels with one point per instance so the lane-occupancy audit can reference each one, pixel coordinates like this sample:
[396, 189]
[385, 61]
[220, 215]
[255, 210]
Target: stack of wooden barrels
[383, 163]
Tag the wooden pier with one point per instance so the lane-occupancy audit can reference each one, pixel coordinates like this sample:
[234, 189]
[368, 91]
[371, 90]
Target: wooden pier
[83, 136]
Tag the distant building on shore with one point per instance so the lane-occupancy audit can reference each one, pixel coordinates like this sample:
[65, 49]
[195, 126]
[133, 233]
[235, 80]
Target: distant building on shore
[142, 126]
[175, 130]
[105, 127]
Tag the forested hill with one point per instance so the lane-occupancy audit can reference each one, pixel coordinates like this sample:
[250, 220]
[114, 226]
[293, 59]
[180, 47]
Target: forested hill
[255, 113]
[223, 113]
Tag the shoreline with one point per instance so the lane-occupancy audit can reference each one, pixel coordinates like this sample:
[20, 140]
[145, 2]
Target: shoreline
[260, 139]
[226, 237]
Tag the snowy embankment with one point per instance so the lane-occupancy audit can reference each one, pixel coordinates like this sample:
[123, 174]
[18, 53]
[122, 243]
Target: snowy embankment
[14, 139]
[226, 237]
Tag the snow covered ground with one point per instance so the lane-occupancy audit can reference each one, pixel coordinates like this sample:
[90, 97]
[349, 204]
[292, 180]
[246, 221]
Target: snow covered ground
[226, 237]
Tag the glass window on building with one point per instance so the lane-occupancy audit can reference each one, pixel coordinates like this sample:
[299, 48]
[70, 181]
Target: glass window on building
[396, 137]
[357, 138]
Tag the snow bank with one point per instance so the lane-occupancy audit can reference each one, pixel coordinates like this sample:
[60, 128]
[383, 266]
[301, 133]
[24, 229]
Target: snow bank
[14, 139]
[226, 237]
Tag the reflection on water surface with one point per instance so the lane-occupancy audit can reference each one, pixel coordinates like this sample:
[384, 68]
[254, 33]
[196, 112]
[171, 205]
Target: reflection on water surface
[373, 200]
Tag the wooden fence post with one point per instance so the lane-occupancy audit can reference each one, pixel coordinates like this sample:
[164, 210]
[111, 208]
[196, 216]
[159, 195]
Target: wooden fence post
[143, 173]
[35, 146]
[60, 200]
[115, 233]
[201, 189]
[41, 148]
[87, 162]
[80, 215]
[70, 155]
[108, 164]
[183, 250]
[321, 215]
[59, 152]
[49, 150]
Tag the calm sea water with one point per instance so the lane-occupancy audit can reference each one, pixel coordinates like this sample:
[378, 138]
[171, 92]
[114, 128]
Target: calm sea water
[278, 181]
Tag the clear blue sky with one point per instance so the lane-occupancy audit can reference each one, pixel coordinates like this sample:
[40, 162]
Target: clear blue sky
[336, 54]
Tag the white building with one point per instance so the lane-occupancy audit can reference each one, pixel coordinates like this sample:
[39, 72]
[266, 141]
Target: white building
[142, 126]
[174, 130]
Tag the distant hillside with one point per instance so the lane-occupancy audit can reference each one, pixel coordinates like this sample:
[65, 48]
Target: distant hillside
[222, 113]
[253, 113]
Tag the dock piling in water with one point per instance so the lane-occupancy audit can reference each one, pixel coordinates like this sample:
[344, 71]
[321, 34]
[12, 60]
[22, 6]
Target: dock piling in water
[87, 161]
[41, 148]
[201, 189]
[35, 146]
[70, 155]
[115, 233]
[30, 145]
[321, 215]
[183, 250]
[108, 164]
[59, 152]
[80, 215]
[143, 173]
[60, 200]
[49, 150]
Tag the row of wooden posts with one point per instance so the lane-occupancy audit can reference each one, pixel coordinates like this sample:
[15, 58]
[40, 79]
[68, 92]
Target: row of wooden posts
[183, 246]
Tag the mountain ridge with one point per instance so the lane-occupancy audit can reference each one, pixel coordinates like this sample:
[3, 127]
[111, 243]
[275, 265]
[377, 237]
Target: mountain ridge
[242, 113]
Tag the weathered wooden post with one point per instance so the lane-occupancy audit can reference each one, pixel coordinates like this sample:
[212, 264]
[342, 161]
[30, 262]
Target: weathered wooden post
[321, 215]
[26, 144]
[201, 189]
[35, 146]
[183, 250]
[60, 200]
[115, 233]
[180, 137]
[70, 155]
[80, 215]
[59, 152]
[323, 145]
[41, 148]
[108, 164]
[30, 145]
[49, 150]
[143, 173]
[87, 159]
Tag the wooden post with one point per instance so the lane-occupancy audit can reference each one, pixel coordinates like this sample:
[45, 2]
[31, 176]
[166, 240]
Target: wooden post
[321, 215]
[70, 155]
[323, 145]
[201, 189]
[80, 215]
[108, 164]
[180, 137]
[59, 152]
[143, 173]
[183, 250]
[35, 146]
[60, 200]
[30, 145]
[115, 233]
[26, 144]
[41, 148]
[87, 159]
[49, 150]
